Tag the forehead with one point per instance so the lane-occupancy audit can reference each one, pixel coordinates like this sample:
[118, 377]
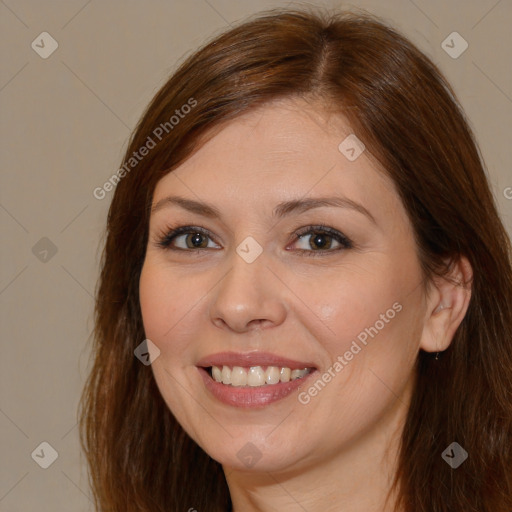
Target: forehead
[285, 130]
[284, 150]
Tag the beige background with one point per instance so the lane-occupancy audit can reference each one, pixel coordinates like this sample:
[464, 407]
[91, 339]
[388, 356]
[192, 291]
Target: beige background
[65, 122]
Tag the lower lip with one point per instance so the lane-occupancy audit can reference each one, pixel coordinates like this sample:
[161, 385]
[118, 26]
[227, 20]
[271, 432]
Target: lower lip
[250, 397]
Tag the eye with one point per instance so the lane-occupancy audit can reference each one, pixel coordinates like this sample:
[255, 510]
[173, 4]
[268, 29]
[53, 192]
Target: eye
[321, 239]
[185, 238]
[312, 240]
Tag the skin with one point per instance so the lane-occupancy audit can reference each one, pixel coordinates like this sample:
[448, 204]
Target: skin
[339, 449]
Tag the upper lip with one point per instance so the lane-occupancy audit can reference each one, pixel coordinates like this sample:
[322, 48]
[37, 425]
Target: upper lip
[252, 359]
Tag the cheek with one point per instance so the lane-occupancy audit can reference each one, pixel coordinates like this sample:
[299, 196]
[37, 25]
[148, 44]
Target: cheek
[370, 315]
[164, 305]
[351, 304]
[374, 329]
[155, 299]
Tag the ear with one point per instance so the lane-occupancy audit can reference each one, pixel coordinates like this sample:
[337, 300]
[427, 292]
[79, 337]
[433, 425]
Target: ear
[447, 302]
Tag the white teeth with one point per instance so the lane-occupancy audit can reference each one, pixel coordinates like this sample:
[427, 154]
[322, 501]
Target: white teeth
[217, 373]
[226, 375]
[272, 375]
[256, 376]
[238, 376]
[285, 374]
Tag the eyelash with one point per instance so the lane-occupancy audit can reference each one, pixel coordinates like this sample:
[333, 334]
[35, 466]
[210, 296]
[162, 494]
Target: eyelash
[166, 238]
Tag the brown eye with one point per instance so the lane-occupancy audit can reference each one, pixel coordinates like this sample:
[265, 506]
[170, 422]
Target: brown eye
[196, 241]
[186, 238]
[320, 240]
[317, 241]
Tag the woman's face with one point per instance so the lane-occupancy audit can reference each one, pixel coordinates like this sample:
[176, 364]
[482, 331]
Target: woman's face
[296, 253]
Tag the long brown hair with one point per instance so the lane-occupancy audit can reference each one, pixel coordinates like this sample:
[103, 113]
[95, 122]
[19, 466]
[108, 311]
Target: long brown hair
[407, 115]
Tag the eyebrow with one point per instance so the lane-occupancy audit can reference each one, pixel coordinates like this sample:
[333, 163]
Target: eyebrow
[281, 210]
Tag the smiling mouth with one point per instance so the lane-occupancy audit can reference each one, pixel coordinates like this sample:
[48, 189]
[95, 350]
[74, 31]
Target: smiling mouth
[255, 376]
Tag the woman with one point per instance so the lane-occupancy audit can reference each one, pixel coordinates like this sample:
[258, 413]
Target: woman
[306, 290]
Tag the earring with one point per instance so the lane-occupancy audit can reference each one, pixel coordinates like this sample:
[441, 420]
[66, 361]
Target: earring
[437, 356]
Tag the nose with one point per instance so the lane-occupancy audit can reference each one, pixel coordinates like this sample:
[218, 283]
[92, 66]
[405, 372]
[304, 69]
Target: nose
[248, 297]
